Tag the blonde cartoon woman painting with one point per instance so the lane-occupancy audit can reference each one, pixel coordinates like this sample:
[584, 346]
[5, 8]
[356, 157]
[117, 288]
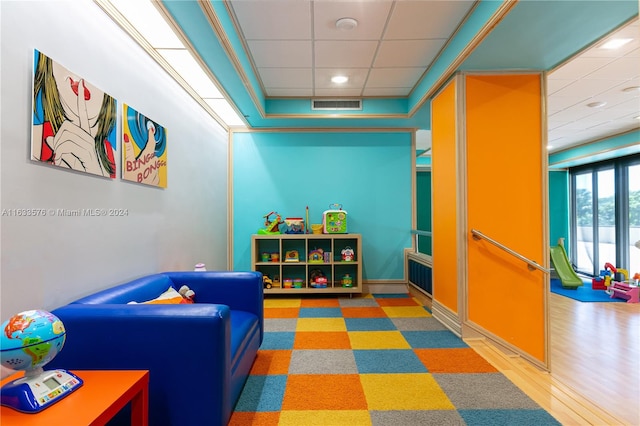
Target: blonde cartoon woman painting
[74, 123]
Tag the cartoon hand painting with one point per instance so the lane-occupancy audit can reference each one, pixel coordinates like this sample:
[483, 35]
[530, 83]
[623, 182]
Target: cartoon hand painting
[144, 167]
[74, 123]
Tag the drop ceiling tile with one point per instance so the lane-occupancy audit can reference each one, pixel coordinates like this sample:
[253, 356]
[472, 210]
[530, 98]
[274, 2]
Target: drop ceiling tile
[621, 69]
[386, 91]
[578, 68]
[282, 53]
[586, 88]
[559, 103]
[425, 19]
[407, 53]
[393, 77]
[357, 77]
[273, 19]
[338, 93]
[344, 54]
[371, 19]
[288, 93]
[293, 78]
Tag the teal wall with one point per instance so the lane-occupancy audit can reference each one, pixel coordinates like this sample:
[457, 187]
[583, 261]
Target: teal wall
[369, 173]
[423, 202]
[559, 208]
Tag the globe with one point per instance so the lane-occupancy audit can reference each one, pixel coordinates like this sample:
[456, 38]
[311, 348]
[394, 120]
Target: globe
[30, 340]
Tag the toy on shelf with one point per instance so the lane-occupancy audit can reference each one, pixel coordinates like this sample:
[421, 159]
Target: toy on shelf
[269, 283]
[317, 279]
[272, 226]
[316, 256]
[292, 256]
[334, 220]
[294, 225]
[348, 255]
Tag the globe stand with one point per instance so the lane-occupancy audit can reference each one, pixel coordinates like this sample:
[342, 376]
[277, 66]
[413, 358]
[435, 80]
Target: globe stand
[28, 341]
[38, 389]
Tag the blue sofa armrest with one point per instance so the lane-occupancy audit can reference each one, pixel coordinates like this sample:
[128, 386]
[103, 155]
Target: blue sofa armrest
[243, 291]
[186, 348]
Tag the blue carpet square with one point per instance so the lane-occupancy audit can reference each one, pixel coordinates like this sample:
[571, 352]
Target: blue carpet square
[369, 324]
[433, 339]
[388, 361]
[507, 417]
[262, 393]
[278, 340]
[320, 313]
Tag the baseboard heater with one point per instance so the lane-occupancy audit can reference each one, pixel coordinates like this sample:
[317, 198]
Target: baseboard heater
[420, 275]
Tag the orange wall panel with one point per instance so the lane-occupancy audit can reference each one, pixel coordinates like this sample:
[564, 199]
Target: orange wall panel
[444, 196]
[505, 201]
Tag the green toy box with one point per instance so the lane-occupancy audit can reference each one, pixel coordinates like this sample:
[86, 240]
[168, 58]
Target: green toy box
[334, 220]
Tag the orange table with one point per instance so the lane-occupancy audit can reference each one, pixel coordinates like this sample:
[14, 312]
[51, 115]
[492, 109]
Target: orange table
[102, 396]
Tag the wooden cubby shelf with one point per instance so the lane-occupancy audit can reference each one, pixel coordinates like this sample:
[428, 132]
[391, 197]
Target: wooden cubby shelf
[303, 258]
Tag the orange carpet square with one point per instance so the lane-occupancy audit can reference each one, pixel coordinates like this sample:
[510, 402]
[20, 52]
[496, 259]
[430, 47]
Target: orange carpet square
[399, 301]
[322, 340]
[281, 312]
[454, 360]
[320, 303]
[324, 392]
[271, 362]
[269, 418]
[364, 312]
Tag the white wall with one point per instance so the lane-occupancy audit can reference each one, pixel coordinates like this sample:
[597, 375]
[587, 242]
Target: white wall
[49, 261]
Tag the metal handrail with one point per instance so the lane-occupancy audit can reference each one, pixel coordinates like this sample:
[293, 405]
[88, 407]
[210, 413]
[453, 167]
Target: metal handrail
[477, 235]
[419, 234]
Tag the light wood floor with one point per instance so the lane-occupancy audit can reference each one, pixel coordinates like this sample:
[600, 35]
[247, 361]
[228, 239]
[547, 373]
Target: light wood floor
[595, 354]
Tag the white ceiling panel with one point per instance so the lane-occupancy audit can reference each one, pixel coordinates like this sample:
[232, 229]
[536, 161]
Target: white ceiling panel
[344, 54]
[425, 19]
[296, 78]
[338, 93]
[386, 91]
[407, 53]
[393, 77]
[282, 54]
[274, 19]
[371, 19]
[357, 78]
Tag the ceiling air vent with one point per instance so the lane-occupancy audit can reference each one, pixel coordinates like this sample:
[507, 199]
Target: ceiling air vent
[336, 104]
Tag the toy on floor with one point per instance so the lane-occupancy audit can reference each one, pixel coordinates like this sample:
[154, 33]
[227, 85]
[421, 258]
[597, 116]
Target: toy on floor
[568, 277]
[187, 294]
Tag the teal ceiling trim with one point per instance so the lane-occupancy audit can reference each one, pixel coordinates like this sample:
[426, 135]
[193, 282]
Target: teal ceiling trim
[606, 149]
[420, 120]
[197, 29]
[555, 31]
[386, 106]
[479, 17]
[222, 12]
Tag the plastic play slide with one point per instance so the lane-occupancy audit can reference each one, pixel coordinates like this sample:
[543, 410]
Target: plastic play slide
[563, 268]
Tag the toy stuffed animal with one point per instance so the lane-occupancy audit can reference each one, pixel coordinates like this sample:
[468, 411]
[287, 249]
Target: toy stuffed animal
[187, 294]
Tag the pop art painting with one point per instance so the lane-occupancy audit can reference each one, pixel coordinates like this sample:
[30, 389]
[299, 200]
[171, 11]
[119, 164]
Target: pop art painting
[74, 122]
[144, 149]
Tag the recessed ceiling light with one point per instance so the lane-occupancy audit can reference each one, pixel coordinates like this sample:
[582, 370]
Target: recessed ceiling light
[631, 89]
[549, 146]
[636, 118]
[615, 43]
[339, 79]
[599, 104]
[346, 24]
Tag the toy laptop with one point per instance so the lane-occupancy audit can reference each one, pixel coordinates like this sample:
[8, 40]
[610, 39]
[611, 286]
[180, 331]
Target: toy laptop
[334, 220]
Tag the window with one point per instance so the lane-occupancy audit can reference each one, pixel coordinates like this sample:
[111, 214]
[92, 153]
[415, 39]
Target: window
[605, 220]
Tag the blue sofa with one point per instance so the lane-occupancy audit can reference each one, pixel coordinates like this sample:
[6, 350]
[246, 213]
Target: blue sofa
[198, 355]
